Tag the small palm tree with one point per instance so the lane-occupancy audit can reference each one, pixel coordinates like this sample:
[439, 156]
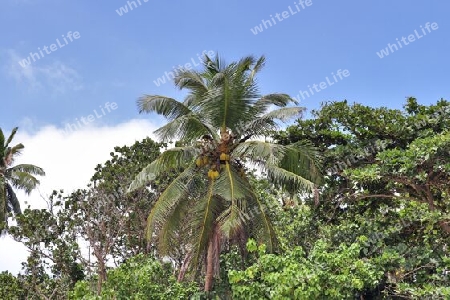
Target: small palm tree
[219, 123]
[20, 176]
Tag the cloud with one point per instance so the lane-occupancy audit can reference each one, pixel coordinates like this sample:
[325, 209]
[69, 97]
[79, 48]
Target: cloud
[57, 77]
[69, 161]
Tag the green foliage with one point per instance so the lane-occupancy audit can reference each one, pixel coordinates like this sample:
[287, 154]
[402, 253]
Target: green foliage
[325, 273]
[386, 183]
[209, 202]
[103, 216]
[377, 228]
[53, 249]
[19, 177]
[140, 277]
[10, 287]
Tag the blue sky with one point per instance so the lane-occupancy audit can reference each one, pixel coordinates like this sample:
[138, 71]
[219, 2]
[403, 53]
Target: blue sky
[117, 58]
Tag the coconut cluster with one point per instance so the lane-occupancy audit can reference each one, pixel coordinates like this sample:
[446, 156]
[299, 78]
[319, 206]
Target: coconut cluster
[215, 155]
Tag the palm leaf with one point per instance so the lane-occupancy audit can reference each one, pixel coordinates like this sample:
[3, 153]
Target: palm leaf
[280, 100]
[2, 143]
[284, 114]
[228, 100]
[22, 180]
[11, 136]
[191, 80]
[262, 125]
[27, 168]
[203, 222]
[293, 166]
[287, 179]
[17, 149]
[262, 226]
[257, 67]
[303, 159]
[260, 151]
[172, 228]
[177, 190]
[168, 107]
[234, 189]
[171, 159]
[187, 127]
[3, 200]
[230, 185]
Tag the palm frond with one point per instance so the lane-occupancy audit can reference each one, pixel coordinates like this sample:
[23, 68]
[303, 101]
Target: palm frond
[17, 149]
[228, 107]
[287, 179]
[284, 114]
[245, 63]
[187, 127]
[2, 143]
[3, 203]
[26, 168]
[303, 159]
[168, 107]
[234, 189]
[262, 125]
[11, 136]
[203, 222]
[191, 80]
[177, 190]
[172, 228]
[279, 100]
[260, 151]
[212, 66]
[256, 68]
[230, 185]
[262, 226]
[22, 180]
[174, 158]
[229, 97]
[232, 220]
[298, 164]
[291, 167]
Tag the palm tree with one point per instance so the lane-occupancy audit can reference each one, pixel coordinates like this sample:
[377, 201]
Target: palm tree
[218, 124]
[20, 176]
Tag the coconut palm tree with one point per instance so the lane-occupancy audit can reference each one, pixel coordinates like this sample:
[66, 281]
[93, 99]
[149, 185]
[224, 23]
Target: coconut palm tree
[220, 124]
[20, 177]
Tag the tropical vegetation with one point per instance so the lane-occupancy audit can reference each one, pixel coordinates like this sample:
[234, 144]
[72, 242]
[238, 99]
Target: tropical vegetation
[20, 176]
[350, 203]
[218, 125]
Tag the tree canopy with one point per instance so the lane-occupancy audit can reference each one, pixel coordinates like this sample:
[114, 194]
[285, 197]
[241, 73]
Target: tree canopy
[351, 203]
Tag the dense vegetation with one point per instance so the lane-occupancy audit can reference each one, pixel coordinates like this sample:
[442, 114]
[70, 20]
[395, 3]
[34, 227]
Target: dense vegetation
[352, 203]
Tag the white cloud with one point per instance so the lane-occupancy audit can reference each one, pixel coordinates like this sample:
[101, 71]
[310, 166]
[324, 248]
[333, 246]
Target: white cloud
[69, 161]
[56, 77]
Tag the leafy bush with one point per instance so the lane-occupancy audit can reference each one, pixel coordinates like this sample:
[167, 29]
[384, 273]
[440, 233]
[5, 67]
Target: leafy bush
[141, 277]
[10, 287]
[324, 273]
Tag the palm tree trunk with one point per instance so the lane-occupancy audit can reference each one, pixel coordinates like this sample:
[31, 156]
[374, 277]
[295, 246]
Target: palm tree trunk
[209, 277]
[3, 204]
[184, 266]
[212, 259]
